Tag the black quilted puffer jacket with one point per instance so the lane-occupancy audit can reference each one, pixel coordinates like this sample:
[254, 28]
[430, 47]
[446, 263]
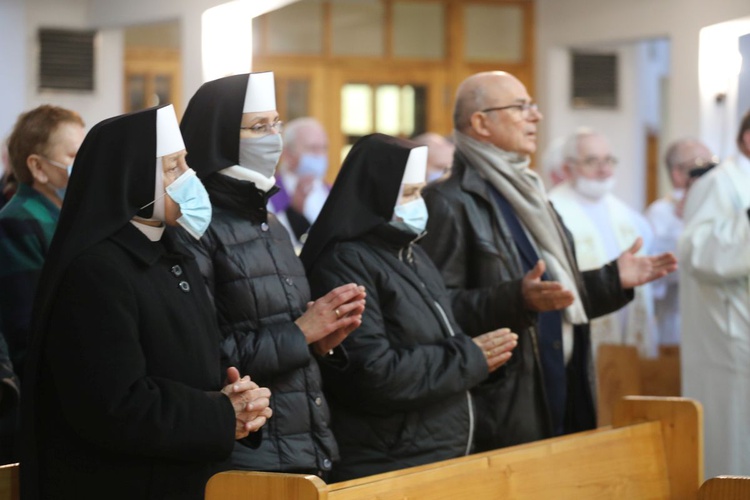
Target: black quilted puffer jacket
[259, 288]
[402, 397]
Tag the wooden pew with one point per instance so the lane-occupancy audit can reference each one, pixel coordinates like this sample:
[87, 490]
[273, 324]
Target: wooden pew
[9, 483]
[725, 488]
[654, 449]
[620, 371]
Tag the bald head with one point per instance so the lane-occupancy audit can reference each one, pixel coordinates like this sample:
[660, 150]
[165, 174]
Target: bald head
[472, 95]
[495, 107]
[682, 156]
[439, 153]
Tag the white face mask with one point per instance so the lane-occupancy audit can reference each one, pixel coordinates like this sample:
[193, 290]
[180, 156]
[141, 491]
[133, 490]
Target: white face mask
[413, 214]
[594, 188]
[261, 154]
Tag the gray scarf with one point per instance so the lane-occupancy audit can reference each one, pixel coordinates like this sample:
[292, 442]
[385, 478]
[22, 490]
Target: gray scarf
[510, 174]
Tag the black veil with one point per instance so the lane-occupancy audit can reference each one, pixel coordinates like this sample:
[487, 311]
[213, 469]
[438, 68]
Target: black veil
[363, 196]
[114, 175]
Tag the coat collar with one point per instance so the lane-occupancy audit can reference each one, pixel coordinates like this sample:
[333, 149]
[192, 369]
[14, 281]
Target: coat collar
[241, 197]
[26, 191]
[469, 178]
[474, 184]
[145, 251]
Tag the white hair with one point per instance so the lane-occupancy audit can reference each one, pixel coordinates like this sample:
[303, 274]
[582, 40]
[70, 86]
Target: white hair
[293, 128]
[554, 157]
[570, 148]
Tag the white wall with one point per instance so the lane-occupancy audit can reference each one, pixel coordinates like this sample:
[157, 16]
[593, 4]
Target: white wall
[118, 13]
[620, 125]
[13, 74]
[719, 65]
[562, 24]
[106, 99]
[21, 19]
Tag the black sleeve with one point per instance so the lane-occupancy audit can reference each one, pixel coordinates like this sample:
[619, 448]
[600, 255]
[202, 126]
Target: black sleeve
[604, 291]
[383, 377]
[261, 353]
[477, 310]
[100, 374]
[9, 391]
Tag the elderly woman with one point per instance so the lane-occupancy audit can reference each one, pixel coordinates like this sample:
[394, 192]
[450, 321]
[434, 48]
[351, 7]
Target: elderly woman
[123, 396]
[400, 390]
[255, 278]
[41, 147]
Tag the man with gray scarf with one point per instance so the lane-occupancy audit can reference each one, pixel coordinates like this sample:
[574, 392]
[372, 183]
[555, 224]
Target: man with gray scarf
[509, 261]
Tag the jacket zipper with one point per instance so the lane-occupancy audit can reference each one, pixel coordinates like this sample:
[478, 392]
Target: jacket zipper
[468, 393]
[469, 401]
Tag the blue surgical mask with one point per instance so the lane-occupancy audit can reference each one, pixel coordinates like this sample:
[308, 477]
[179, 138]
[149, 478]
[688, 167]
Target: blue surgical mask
[188, 192]
[433, 176]
[312, 165]
[60, 192]
[413, 214]
[261, 154]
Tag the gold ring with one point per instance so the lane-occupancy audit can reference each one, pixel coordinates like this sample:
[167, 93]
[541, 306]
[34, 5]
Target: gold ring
[487, 353]
[338, 313]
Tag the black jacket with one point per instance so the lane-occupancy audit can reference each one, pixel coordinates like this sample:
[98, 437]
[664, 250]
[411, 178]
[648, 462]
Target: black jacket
[9, 406]
[470, 243]
[400, 394]
[152, 423]
[259, 288]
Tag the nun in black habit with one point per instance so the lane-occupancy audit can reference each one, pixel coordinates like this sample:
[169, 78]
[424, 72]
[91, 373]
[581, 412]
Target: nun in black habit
[401, 396]
[256, 280]
[123, 392]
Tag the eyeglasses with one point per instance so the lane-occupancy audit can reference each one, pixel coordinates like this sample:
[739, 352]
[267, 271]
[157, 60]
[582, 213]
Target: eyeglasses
[265, 128]
[687, 167]
[594, 162]
[525, 108]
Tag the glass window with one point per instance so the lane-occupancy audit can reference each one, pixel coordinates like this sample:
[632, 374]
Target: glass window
[297, 99]
[136, 86]
[418, 30]
[494, 32]
[356, 109]
[357, 28]
[388, 106]
[296, 28]
[395, 110]
[408, 109]
[163, 89]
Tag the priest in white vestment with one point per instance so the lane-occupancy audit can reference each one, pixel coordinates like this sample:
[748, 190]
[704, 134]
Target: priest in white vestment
[715, 304]
[665, 216]
[603, 227]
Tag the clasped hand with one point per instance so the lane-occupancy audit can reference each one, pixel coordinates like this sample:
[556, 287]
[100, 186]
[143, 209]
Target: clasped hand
[250, 402]
[497, 346]
[329, 320]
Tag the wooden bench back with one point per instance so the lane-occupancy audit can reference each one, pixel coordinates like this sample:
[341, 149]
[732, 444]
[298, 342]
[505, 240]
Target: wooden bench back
[620, 372]
[9, 482]
[653, 451]
[725, 488]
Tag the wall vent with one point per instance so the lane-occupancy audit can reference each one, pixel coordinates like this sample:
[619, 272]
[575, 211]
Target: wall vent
[66, 59]
[594, 80]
